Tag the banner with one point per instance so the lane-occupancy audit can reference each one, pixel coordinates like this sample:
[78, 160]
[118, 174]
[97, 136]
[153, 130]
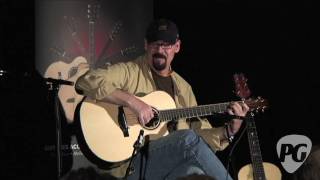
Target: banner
[72, 35]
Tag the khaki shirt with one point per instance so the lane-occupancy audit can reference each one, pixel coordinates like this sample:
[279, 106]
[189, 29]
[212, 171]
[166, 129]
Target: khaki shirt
[135, 77]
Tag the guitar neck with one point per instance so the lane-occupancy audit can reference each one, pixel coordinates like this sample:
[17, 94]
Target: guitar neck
[61, 52]
[92, 15]
[255, 152]
[104, 50]
[80, 45]
[190, 112]
[102, 60]
[110, 59]
[206, 110]
[111, 37]
[91, 42]
[71, 24]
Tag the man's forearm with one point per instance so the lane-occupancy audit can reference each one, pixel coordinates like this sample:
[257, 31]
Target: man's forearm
[120, 97]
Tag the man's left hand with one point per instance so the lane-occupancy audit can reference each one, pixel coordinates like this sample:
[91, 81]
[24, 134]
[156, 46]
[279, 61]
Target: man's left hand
[237, 109]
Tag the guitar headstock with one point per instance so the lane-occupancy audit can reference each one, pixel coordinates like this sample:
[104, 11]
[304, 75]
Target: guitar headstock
[242, 90]
[59, 52]
[128, 50]
[123, 52]
[257, 104]
[115, 30]
[71, 24]
[93, 9]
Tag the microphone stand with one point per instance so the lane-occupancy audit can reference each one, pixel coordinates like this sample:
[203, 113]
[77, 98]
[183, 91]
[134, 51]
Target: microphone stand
[55, 85]
[137, 145]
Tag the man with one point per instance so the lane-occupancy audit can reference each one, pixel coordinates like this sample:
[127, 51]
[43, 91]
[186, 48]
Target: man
[191, 145]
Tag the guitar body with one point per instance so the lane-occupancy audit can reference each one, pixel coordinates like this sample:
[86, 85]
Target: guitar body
[71, 72]
[271, 171]
[62, 70]
[102, 132]
[68, 96]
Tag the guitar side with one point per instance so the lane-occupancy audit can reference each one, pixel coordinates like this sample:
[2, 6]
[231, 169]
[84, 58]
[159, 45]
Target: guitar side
[272, 172]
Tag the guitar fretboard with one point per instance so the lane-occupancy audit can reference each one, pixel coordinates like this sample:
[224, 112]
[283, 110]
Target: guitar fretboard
[256, 158]
[91, 42]
[198, 111]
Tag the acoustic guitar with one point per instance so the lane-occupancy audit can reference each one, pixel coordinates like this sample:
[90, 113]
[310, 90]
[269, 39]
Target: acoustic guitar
[110, 130]
[69, 98]
[257, 170]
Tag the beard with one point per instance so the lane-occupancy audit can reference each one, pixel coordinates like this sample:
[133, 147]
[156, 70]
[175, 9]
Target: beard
[159, 62]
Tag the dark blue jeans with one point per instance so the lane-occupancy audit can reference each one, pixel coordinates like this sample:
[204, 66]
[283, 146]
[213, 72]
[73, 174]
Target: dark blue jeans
[177, 155]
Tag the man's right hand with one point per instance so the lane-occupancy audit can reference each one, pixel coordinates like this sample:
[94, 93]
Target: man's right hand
[142, 110]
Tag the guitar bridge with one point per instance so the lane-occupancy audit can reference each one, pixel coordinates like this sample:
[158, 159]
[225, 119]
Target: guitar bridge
[123, 121]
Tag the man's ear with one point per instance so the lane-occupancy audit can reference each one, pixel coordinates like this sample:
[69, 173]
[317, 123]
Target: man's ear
[145, 45]
[177, 46]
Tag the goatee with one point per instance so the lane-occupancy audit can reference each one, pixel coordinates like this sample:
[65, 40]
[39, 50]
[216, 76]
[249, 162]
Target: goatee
[159, 62]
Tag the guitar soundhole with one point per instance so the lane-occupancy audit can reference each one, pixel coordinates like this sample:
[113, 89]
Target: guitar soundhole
[152, 124]
[72, 71]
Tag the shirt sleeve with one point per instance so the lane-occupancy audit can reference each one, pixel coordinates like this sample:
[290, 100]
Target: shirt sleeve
[214, 136]
[99, 83]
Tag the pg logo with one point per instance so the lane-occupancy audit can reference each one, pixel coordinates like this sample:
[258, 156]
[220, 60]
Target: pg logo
[293, 150]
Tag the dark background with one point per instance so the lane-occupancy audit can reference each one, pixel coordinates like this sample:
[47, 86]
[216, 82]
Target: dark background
[272, 42]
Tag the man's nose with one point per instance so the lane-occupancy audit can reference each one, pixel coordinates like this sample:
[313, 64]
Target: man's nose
[160, 48]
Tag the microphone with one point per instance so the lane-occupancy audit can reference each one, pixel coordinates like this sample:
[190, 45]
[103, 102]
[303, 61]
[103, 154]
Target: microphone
[140, 139]
[59, 81]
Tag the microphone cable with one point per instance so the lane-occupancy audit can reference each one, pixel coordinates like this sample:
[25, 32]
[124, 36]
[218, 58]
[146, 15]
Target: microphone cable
[232, 149]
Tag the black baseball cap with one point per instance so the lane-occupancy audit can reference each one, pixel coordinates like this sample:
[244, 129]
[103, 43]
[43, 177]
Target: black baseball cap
[162, 29]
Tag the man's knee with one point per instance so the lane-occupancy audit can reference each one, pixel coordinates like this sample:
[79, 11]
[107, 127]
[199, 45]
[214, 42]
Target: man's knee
[194, 170]
[188, 137]
[193, 142]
